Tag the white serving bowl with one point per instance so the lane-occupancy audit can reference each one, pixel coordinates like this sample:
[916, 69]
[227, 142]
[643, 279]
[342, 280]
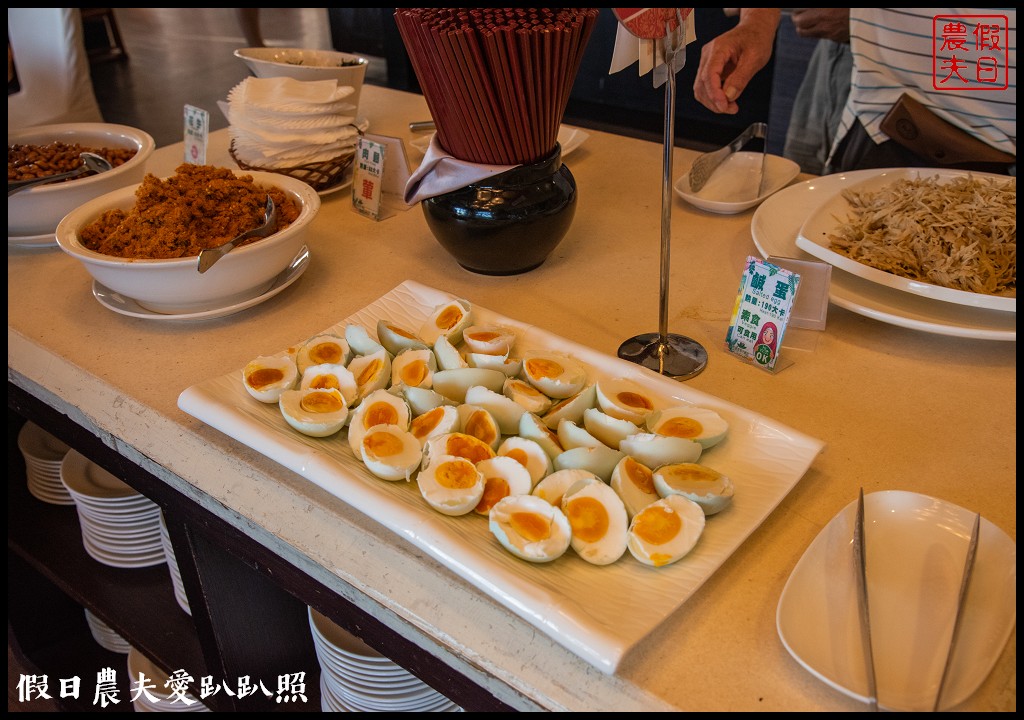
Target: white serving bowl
[175, 286]
[37, 211]
[303, 64]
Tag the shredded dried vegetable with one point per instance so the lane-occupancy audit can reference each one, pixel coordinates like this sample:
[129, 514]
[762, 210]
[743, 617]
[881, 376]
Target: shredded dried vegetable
[960, 234]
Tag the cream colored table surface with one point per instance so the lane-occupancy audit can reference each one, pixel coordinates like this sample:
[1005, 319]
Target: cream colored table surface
[898, 409]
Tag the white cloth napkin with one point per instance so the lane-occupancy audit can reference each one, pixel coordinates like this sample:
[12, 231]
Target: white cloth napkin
[440, 172]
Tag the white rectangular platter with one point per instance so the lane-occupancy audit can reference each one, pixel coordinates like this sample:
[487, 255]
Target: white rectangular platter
[588, 609]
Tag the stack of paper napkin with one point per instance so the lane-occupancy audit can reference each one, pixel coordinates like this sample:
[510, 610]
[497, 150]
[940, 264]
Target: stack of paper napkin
[278, 123]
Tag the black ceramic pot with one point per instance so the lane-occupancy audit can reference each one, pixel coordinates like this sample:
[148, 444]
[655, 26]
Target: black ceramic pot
[508, 223]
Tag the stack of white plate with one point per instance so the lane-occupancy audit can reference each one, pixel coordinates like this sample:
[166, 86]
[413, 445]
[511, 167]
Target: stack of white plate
[43, 456]
[356, 678]
[160, 698]
[172, 565]
[105, 635]
[120, 526]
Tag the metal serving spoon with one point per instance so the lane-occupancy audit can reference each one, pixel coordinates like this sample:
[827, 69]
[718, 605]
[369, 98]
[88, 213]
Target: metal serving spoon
[209, 256]
[90, 162]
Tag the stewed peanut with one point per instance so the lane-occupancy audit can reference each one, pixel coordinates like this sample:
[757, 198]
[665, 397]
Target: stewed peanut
[27, 162]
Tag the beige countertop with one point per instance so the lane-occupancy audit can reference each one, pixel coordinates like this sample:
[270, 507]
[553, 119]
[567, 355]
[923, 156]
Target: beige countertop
[897, 408]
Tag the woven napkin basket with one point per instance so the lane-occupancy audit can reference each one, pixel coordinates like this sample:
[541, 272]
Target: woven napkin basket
[320, 176]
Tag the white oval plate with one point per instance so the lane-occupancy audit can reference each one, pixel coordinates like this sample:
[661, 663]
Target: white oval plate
[815, 232]
[774, 229]
[127, 306]
[916, 547]
[733, 187]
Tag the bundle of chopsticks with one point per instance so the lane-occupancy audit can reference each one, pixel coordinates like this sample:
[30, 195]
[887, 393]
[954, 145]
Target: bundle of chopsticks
[496, 80]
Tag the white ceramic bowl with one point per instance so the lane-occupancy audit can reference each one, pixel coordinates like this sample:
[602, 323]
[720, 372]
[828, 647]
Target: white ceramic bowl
[303, 64]
[175, 286]
[37, 211]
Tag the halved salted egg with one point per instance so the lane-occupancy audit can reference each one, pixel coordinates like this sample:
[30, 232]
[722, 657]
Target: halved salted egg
[414, 367]
[453, 384]
[599, 522]
[571, 435]
[665, 531]
[705, 486]
[510, 366]
[372, 372]
[533, 428]
[625, 399]
[701, 425]
[505, 410]
[421, 399]
[447, 320]
[359, 340]
[530, 528]
[448, 356]
[317, 413]
[526, 395]
[478, 422]
[600, 460]
[390, 452]
[267, 376]
[609, 430]
[489, 339]
[378, 408]
[634, 483]
[451, 484]
[503, 476]
[571, 408]
[331, 375]
[396, 338]
[555, 375]
[529, 454]
[653, 450]
[332, 349]
[553, 487]
[441, 420]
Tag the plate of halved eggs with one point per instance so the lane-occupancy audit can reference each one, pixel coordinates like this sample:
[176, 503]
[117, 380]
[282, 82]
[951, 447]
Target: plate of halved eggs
[570, 486]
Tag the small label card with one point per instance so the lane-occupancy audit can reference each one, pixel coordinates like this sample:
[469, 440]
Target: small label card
[197, 133]
[380, 175]
[761, 312]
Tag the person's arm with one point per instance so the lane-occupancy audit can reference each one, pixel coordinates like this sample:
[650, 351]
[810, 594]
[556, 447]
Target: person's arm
[728, 62]
[828, 23]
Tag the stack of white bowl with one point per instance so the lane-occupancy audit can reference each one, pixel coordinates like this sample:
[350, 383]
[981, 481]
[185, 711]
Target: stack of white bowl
[43, 455]
[356, 678]
[105, 635]
[159, 697]
[172, 566]
[120, 526]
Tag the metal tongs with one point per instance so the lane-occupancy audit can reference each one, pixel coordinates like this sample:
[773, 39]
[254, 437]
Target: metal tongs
[208, 256]
[705, 165]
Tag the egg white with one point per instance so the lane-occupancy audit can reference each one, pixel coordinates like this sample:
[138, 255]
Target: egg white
[705, 486]
[267, 376]
[571, 408]
[530, 528]
[321, 349]
[378, 408]
[634, 482]
[331, 375]
[503, 476]
[489, 339]
[440, 420]
[701, 425]
[317, 413]
[665, 531]
[478, 422]
[450, 484]
[556, 375]
[599, 522]
[390, 453]
[653, 450]
[525, 394]
[625, 399]
[609, 430]
[372, 372]
[553, 487]
[529, 454]
[414, 367]
[447, 320]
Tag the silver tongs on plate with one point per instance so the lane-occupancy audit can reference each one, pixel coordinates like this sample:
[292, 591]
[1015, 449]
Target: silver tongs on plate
[965, 580]
[861, 573]
[705, 165]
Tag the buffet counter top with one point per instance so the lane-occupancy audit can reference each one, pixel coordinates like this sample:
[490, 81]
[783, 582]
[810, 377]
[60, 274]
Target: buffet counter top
[897, 408]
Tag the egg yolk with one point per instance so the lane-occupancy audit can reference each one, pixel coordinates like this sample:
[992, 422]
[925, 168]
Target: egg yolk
[456, 475]
[479, 425]
[371, 371]
[484, 336]
[322, 401]
[531, 526]
[526, 389]
[687, 474]
[448, 318]
[263, 377]
[382, 444]
[326, 352]
[657, 525]
[469, 447]
[681, 427]
[495, 488]
[640, 475]
[543, 368]
[380, 413]
[325, 382]
[634, 400]
[400, 331]
[422, 425]
[588, 518]
[519, 455]
[414, 373]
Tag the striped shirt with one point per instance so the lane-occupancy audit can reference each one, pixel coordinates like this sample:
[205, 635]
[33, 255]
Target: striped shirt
[894, 51]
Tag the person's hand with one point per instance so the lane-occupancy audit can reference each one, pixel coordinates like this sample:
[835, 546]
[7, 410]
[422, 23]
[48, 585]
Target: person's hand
[728, 62]
[828, 23]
